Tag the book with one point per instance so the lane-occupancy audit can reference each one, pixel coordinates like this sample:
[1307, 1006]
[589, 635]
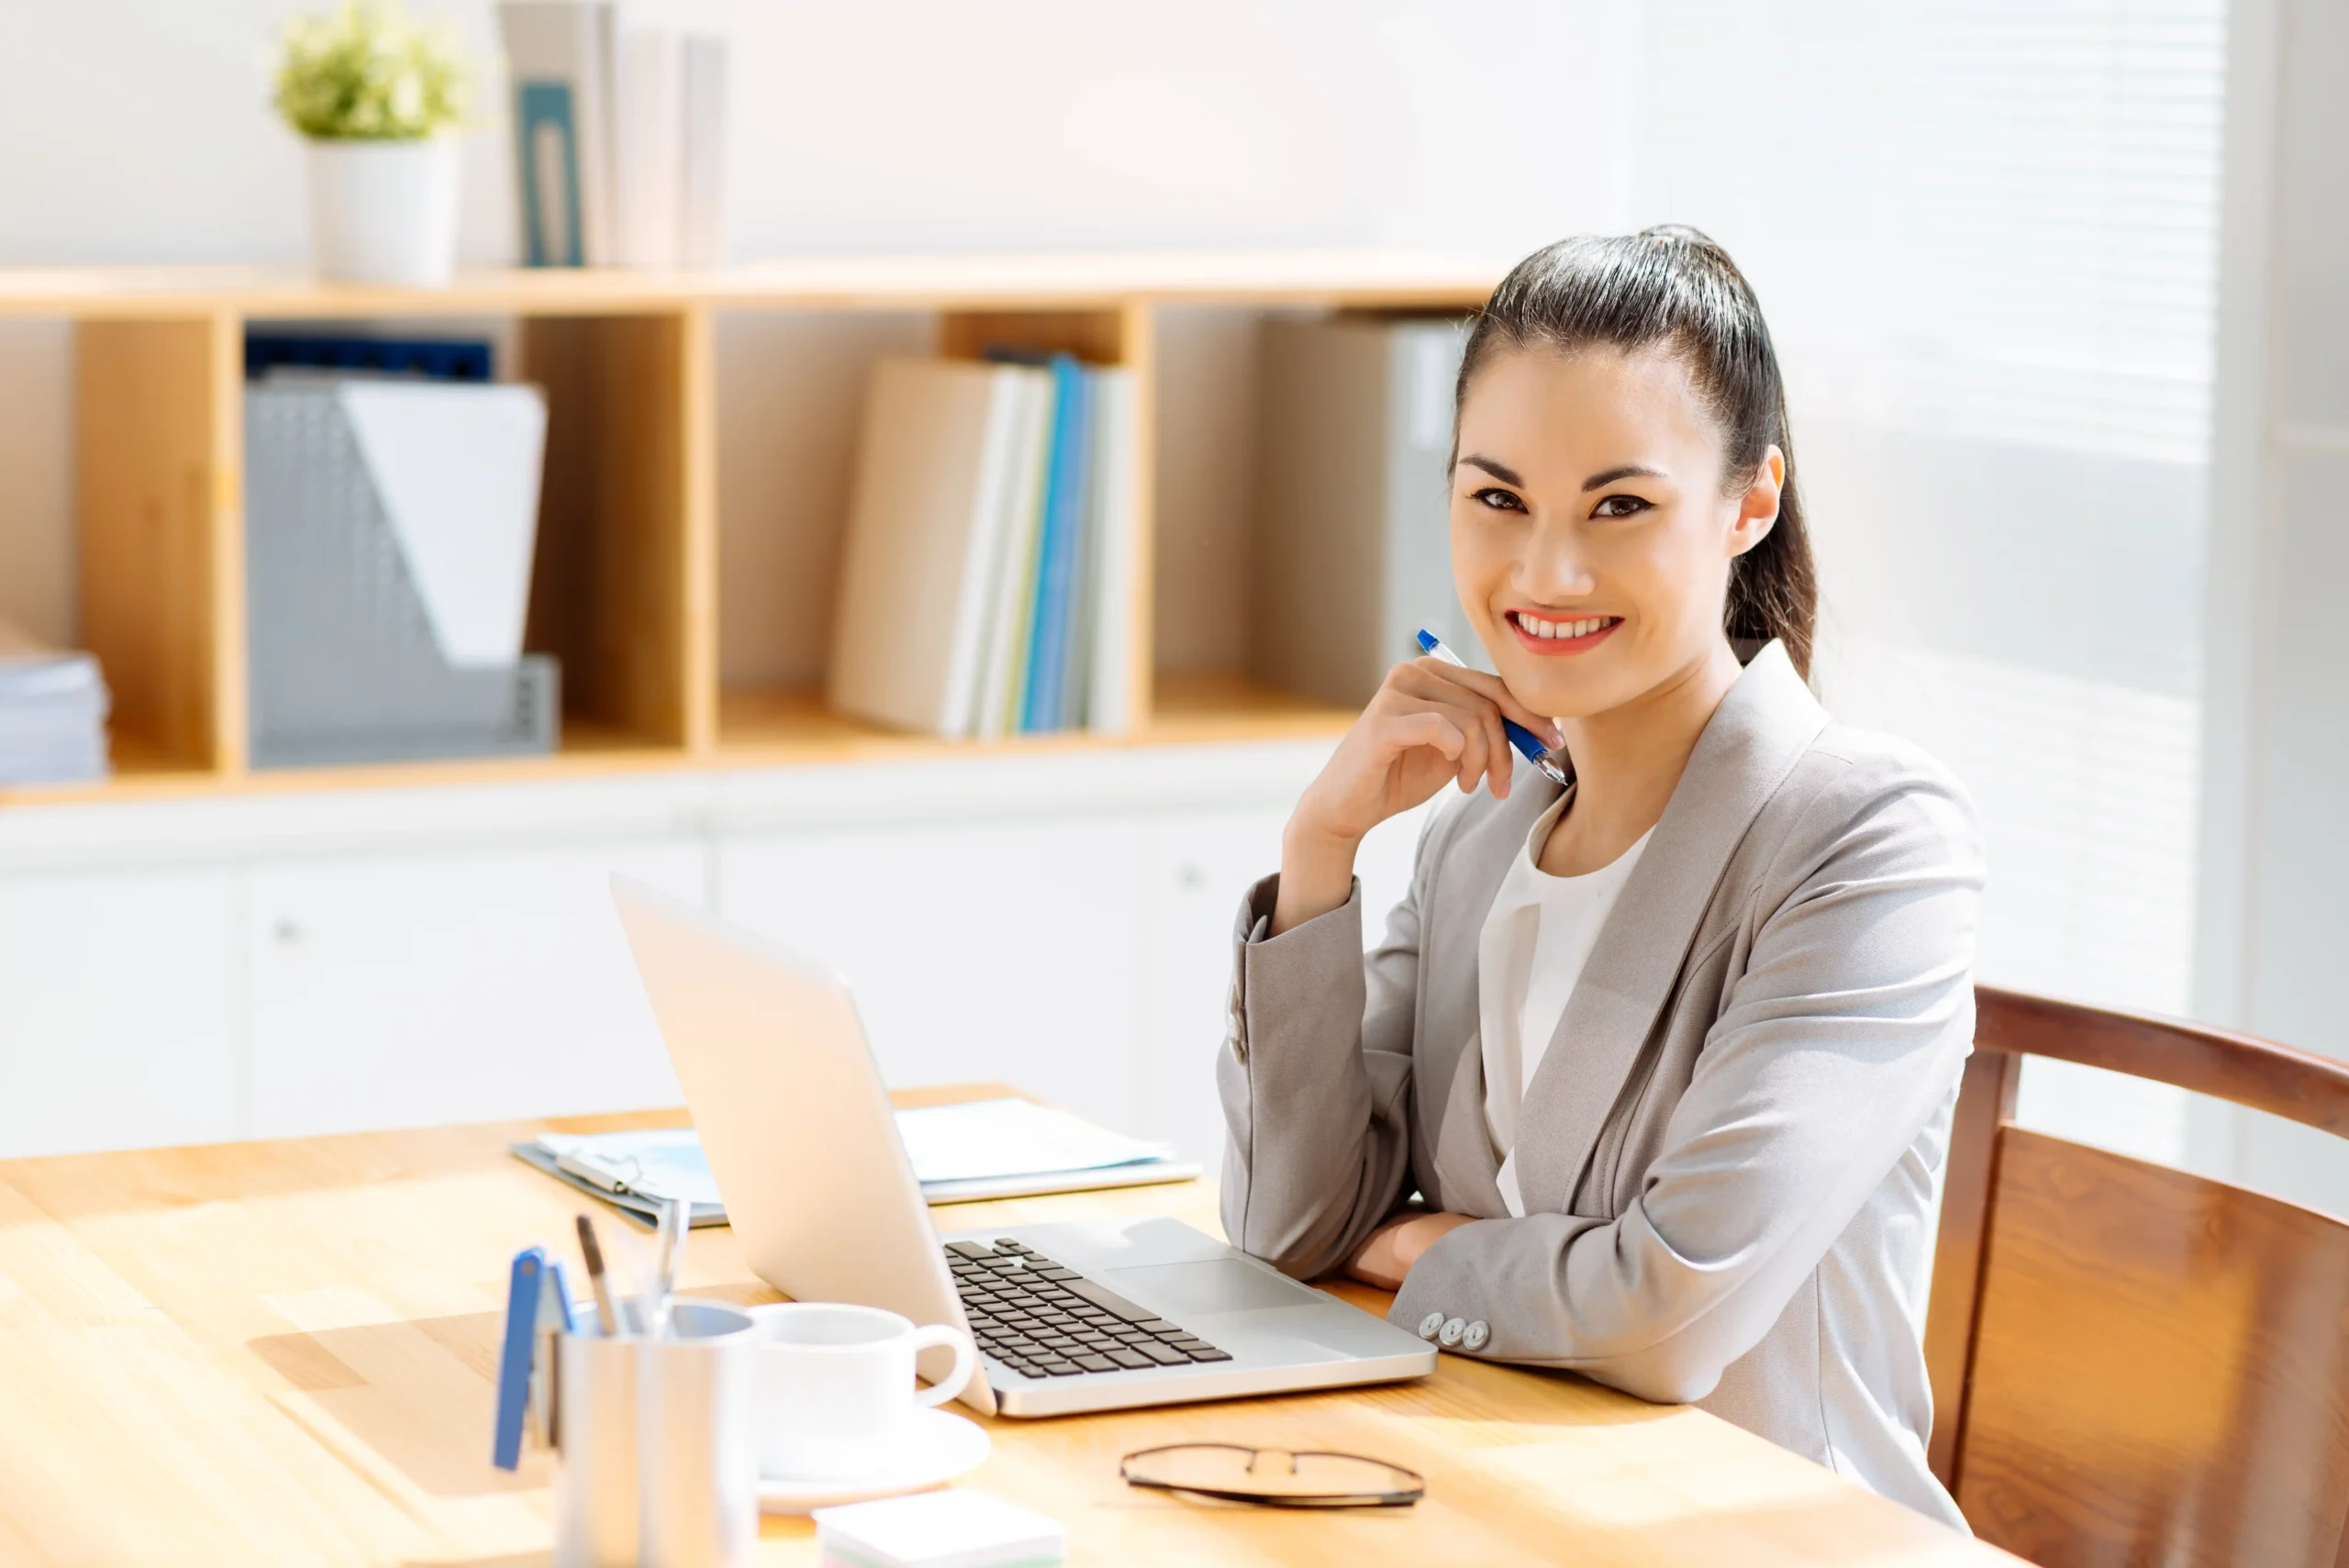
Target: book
[938, 477]
[1003, 681]
[559, 55]
[648, 142]
[1056, 550]
[53, 706]
[991, 552]
[1107, 617]
[701, 197]
[976, 1148]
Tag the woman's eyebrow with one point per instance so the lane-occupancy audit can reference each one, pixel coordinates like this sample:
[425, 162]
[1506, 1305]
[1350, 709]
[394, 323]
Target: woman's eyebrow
[1498, 469]
[1626, 471]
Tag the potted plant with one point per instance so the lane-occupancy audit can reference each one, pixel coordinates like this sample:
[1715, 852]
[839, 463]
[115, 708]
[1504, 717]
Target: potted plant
[376, 94]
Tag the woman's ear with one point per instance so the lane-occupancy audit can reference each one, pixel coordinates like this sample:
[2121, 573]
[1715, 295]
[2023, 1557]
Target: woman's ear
[1757, 509]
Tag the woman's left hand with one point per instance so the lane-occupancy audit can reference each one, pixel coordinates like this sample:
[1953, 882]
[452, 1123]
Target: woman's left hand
[1394, 1247]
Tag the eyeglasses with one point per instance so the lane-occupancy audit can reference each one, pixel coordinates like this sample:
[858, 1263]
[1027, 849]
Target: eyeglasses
[1275, 1477]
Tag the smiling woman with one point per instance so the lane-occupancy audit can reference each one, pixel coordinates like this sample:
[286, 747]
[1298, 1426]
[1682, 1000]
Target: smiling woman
[1652, 1074]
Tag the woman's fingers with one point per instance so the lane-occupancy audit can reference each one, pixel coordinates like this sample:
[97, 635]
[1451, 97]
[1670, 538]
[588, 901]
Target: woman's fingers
[1429, 729]
[1492, 689]
[1457, 734]
[1483, 754]
[1504, 756]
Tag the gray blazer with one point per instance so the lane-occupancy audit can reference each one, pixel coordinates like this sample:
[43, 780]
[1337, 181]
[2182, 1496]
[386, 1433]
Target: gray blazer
[1730, 1154]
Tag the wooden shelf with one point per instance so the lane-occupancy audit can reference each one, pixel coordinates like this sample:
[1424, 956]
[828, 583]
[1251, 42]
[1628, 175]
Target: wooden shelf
[755, 729]
[1376, 280]
[625, 585]
[588, 749]
[785, 727]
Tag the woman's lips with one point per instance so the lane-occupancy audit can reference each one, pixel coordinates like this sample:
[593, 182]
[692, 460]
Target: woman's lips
[1568, 634]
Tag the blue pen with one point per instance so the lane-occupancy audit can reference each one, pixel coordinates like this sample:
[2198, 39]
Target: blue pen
[1524, 739]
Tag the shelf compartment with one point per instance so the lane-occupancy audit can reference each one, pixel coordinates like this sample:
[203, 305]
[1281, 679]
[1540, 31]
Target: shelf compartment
[623, 582]
[159, 459]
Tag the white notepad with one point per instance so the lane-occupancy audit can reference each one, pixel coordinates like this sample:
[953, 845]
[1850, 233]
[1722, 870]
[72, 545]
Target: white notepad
[956, 1529]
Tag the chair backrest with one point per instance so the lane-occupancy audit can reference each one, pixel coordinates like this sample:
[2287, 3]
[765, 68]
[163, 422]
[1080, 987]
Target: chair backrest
[2131, 1364]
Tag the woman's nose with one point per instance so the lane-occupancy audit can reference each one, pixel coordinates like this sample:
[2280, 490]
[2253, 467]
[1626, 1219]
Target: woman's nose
[1553, 567]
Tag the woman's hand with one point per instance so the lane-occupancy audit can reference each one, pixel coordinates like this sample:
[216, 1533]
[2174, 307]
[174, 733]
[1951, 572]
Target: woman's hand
[1395, 1246]
[1431, 722]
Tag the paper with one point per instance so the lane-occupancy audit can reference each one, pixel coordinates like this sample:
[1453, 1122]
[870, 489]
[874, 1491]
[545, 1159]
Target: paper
[981, 1139]
[975, 1140]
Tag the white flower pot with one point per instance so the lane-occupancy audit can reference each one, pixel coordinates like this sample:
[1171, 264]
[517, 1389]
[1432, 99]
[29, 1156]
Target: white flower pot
[384, 211]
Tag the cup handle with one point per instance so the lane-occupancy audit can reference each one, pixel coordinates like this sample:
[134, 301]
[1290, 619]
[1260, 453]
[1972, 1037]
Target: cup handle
[966, 1358]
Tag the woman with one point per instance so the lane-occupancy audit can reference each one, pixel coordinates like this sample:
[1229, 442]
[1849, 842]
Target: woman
[1652, 1076]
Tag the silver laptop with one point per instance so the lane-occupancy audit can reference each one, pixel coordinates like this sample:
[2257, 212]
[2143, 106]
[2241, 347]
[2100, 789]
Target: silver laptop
[1091, 1315]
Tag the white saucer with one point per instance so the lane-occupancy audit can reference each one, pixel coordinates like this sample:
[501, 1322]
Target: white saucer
[938, 1448]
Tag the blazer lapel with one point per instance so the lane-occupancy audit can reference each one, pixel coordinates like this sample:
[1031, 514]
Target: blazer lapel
[1464, 1151]
[1761, 729]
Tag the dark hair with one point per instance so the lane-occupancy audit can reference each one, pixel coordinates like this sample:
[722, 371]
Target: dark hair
[1672, 285]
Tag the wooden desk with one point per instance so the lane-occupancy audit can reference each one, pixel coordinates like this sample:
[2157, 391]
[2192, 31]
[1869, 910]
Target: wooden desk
[283, 1354]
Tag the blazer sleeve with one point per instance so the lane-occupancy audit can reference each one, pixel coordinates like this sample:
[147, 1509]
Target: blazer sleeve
[1316, 1077]
[1845, 1035]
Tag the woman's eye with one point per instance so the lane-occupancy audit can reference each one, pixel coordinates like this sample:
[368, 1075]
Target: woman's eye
[1620, 507]
[1498, 500]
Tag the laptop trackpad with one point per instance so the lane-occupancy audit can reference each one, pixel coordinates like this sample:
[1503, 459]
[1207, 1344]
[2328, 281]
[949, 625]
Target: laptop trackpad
[1222, 1284]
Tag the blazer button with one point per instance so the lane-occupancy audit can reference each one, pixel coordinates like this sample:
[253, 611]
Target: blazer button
[1451, 1332]
[1430, 1326]
[1476, 1336]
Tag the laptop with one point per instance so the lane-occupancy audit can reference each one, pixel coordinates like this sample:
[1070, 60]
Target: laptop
[1097, 1314]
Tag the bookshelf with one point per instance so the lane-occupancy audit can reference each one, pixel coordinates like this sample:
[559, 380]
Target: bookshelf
[626, 587]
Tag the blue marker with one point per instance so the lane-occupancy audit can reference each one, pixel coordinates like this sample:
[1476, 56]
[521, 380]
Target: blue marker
[1524, 739]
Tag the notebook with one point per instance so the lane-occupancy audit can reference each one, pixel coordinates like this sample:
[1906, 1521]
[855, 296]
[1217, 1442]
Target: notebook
[978, 1149]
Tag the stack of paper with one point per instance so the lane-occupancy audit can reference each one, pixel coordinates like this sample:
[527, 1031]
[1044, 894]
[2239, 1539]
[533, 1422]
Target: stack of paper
[52, 713]
[978, 1149]
[618, 128]
[987, 582]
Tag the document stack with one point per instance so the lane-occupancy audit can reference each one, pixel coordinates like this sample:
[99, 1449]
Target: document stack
[52, 713]
[619, 136]
[987, 582]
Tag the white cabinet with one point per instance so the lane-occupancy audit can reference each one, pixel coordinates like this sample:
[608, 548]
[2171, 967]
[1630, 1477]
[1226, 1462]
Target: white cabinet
[461, 984]
[978, 949]
[118, 1010]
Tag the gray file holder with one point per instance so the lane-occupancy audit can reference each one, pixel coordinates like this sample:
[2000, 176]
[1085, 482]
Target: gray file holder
[344, 664]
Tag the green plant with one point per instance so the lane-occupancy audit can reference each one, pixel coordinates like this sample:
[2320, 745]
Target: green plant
[367, 71]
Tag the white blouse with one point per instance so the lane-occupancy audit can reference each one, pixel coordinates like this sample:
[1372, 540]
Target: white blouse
[1530, 954]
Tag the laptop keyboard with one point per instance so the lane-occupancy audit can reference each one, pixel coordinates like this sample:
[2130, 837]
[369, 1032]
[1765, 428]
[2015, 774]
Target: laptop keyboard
[1044, 1320]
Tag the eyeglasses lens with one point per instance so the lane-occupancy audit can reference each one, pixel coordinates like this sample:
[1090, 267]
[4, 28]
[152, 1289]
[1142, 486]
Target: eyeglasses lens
[1274, 1476]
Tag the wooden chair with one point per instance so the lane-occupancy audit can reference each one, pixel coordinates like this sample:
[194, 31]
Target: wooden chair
[2131, 1365]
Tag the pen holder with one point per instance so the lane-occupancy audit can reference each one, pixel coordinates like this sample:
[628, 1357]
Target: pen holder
[656, 1463]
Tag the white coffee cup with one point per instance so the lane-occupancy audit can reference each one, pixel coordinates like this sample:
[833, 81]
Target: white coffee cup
[835, 1386]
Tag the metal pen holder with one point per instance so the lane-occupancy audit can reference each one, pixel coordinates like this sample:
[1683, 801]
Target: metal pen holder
[655, 1458]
